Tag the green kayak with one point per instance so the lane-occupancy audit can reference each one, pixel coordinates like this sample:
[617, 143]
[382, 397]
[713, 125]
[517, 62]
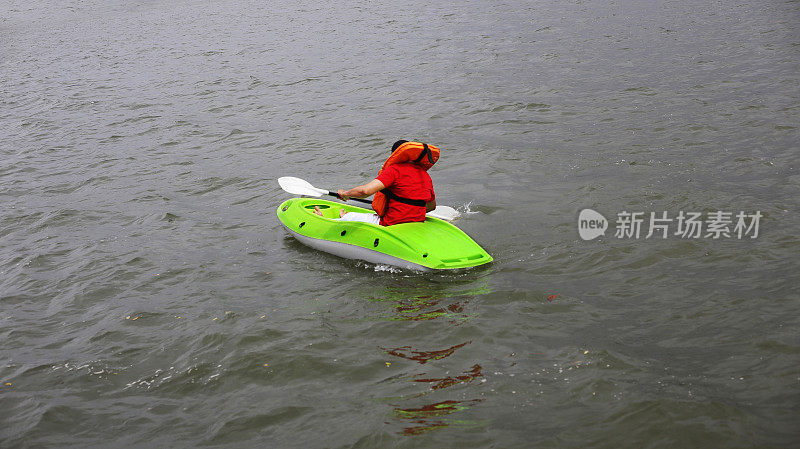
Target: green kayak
[430, 245]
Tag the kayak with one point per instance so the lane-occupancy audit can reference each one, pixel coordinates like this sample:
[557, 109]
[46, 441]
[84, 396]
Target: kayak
[424, 246]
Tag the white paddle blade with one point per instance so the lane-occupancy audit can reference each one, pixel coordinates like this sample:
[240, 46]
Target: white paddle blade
[299, 186]
[444, 213]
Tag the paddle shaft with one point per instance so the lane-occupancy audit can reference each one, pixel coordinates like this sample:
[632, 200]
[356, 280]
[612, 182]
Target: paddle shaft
[299, 186]
[360, 200]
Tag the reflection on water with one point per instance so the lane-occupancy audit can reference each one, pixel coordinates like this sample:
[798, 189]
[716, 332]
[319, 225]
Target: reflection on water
[416, 304]
[430, 417]
[407, 352]
[426, 303]
[445, 382]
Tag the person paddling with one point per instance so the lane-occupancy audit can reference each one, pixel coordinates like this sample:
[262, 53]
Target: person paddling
[403, 189]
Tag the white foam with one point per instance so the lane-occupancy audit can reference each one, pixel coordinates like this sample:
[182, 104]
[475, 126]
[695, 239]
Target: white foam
[465, 209]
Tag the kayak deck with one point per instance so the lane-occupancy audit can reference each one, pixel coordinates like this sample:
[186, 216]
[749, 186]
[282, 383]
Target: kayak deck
[430, 245]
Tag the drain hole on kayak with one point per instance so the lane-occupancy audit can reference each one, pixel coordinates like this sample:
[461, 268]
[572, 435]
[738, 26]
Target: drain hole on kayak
[302, 224]
[425, 255]
[343, 233]
[376, 242]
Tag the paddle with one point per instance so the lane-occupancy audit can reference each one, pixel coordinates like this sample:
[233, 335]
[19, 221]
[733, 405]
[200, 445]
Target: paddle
[299, 186]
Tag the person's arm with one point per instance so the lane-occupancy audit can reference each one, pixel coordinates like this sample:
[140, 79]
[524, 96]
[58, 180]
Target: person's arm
[361, 191]
[430, 205]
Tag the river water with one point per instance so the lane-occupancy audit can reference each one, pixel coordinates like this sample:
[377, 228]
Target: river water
[151, 298]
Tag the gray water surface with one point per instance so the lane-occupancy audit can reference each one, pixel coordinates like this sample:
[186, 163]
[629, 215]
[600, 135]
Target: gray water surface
[149, 296]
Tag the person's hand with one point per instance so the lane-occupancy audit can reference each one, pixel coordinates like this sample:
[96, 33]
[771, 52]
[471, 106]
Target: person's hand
[342, 195]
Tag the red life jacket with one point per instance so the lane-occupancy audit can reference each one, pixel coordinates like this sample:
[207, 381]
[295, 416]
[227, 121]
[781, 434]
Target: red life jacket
[418, 153]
